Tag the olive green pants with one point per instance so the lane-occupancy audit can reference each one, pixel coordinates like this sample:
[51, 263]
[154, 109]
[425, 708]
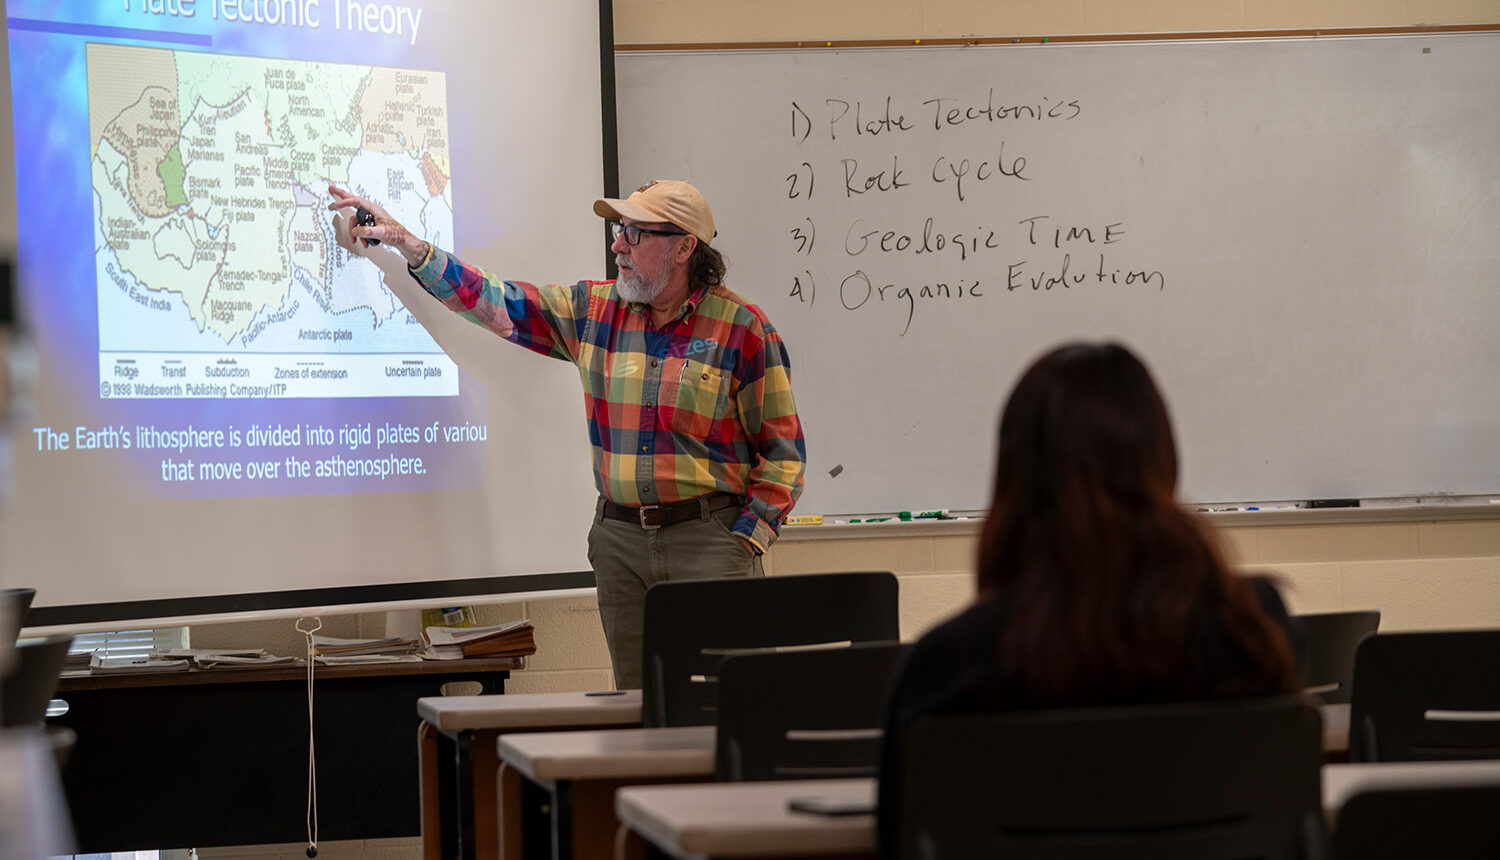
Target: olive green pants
[628, 559]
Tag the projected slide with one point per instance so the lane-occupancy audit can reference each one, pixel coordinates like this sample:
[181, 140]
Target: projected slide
[200, 332]
[218, 272]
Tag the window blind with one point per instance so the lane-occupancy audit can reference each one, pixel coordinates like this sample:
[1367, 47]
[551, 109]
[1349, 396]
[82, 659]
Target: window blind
[129, 643]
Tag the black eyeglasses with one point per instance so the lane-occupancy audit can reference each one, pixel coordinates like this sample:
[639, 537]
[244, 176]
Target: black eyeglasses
[632, 233]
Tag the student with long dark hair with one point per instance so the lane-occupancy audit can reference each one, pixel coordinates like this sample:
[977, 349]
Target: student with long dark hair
[1095, 587]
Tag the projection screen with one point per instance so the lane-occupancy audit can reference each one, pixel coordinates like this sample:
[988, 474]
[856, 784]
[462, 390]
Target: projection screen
[213, 406]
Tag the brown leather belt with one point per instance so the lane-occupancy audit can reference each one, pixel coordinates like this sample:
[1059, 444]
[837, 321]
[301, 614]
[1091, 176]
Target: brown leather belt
[656, 516]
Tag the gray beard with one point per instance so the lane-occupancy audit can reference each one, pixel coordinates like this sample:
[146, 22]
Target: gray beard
[634, 288]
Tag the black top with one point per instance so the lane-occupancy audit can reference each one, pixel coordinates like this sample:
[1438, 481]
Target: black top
[953, 669]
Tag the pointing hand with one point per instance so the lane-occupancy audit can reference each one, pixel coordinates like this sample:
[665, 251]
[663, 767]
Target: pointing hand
[378, 225]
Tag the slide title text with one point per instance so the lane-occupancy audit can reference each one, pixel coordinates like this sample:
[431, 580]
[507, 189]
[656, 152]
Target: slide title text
[358, 16]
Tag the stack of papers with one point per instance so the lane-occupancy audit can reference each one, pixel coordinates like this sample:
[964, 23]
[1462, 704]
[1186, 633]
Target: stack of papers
[226, 658]
[359, 659]
[235, 661]
[132, 665]
[512, 639]
[332, 650]
[199, 653]
[78, 661]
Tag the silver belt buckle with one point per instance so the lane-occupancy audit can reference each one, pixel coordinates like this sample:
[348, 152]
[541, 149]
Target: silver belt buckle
[645, 525]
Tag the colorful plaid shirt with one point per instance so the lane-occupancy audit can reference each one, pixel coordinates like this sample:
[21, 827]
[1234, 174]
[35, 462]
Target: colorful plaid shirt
[702, 405]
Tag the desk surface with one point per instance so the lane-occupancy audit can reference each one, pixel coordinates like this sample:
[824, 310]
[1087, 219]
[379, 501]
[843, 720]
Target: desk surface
[684, 751]
[747, 819]
[529, 710]
[1343, 781]
[751, 819]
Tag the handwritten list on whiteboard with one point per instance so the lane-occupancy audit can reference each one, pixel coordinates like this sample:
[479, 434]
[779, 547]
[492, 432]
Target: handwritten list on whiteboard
[1299, 236]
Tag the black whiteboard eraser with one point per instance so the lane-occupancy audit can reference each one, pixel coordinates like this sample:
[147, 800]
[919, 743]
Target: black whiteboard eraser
[1333, 503]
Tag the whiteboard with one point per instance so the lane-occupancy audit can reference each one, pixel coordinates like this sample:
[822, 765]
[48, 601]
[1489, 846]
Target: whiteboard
[1300, 236]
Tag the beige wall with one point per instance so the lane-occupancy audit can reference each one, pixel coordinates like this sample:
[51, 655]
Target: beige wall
[1419, 574]
[658, 21]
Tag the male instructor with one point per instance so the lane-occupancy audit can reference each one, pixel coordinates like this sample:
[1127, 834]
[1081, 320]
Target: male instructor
[698, 451]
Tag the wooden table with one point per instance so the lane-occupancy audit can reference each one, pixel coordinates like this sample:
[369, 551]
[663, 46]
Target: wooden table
[458, 762]
[578, 774]
[219, 756]
[751, 819]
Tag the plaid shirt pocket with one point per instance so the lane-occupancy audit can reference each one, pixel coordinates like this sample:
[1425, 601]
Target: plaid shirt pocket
[694, 395]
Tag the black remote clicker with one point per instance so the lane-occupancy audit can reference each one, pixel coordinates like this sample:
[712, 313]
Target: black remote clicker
[365, 218]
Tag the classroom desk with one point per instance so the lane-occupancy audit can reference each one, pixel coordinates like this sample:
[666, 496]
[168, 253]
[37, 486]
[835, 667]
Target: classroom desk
[1343, 781]
[574, 773]
[745, 819]
[578, 772]
[219, 757]
[751, 819]
[458, 763]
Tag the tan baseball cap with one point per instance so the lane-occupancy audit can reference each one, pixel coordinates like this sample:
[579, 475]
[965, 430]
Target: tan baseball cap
[666, 200]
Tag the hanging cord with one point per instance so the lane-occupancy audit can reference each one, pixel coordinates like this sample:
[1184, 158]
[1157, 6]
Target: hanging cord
[312, 762]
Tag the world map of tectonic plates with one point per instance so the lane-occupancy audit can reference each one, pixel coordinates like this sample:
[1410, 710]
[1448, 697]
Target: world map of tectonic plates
[210, 174]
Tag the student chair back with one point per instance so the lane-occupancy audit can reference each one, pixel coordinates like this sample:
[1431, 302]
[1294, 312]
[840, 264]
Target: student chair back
[1452, 822]
[1329, 641]
[25, 692]
[816, 714]
[1426, 696]
[693, 624]
[1203, 781]
[15, 603]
